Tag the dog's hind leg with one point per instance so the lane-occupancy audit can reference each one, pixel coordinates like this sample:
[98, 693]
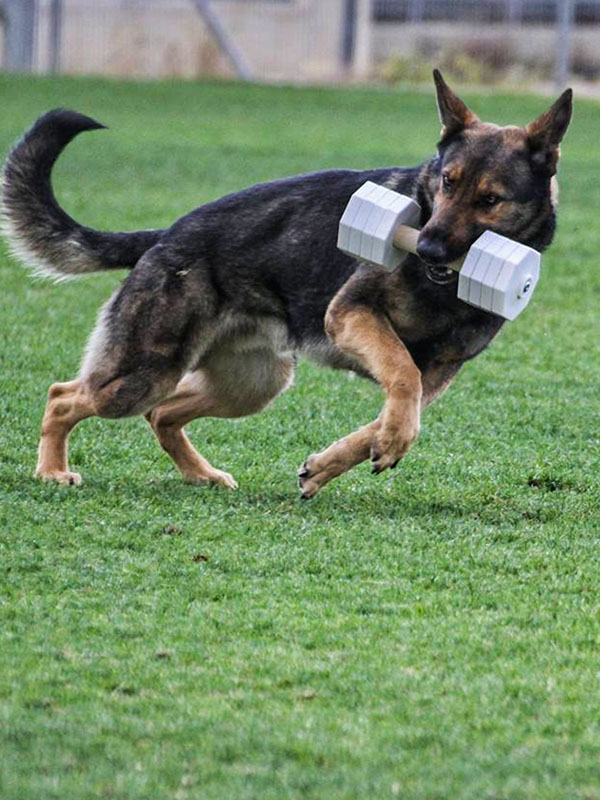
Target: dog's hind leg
[68, 404]
[148, 332]
[229, 385]
[193, 398]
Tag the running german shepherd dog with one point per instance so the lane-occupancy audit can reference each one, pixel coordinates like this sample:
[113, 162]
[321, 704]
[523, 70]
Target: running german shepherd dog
[217, 307]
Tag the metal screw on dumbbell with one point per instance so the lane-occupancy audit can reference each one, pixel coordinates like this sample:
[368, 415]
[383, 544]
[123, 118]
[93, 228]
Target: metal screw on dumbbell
[497, 274]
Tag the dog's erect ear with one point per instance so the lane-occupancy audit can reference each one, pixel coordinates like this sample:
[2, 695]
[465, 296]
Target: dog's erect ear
[546, 132]
[454, 114]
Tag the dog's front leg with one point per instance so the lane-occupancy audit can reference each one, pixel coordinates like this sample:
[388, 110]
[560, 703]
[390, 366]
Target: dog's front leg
[369, 339]
[339, 457]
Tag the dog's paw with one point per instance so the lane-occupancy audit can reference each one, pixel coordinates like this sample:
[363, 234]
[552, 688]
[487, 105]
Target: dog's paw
[312, 476]
[220, 478]
[389, 446]
[216, 477]
[59, 476]
[307, 481]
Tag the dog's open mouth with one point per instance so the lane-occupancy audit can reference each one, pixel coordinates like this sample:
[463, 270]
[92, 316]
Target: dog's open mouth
[440, 274]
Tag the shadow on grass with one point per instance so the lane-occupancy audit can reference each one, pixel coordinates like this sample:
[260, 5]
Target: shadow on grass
[373, 502]
[357, 498]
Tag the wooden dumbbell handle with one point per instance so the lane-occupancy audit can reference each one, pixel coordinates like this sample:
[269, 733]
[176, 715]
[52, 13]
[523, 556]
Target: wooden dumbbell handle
[405, 238]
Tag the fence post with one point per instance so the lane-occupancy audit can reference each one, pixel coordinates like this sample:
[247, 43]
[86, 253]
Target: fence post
[416, 10]
[348, 32]
[564, 23]
[356, 37]
[362, 45]
[226, 43]
[19, 34]
[514, 11]
[54, 35]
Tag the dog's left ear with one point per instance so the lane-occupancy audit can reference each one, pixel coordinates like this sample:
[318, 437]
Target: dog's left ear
[546, 132]
[454, 114]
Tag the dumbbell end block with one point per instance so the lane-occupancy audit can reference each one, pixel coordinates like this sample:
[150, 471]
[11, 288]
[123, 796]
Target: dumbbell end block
[372, 216]
[499, 275]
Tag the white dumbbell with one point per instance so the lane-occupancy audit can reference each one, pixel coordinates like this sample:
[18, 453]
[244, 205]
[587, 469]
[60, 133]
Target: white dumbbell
[497, 274]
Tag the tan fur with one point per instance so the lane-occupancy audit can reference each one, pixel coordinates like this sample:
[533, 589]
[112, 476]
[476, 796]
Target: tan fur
[346, 453]
[68, 404]
[341, 456]
[369, 339]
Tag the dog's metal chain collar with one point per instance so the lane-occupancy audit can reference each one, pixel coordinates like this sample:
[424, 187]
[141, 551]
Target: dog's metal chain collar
[440, 275]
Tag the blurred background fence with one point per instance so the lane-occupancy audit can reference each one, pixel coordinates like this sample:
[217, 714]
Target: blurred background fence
[518, 42]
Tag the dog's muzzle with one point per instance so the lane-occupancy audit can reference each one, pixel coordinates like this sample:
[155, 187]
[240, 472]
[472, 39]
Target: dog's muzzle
[432, 251]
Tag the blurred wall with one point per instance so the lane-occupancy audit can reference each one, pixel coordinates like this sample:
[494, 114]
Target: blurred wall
[285, 40]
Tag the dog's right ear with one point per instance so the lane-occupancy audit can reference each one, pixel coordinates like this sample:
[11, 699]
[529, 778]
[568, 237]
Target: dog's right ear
[454, 114]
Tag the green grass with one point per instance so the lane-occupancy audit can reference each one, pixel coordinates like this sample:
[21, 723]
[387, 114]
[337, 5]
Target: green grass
[429, 634]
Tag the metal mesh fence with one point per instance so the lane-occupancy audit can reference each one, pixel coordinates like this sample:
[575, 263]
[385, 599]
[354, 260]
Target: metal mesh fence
[485, 11]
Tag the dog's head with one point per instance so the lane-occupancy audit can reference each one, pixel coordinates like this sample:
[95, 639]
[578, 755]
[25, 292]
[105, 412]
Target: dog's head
[488, 177]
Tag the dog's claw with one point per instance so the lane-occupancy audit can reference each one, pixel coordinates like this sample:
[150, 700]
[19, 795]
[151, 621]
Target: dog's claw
[376, 467]
[308, 481]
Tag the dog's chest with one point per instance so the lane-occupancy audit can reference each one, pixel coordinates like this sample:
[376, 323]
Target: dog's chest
[453, 343]
[435, 326]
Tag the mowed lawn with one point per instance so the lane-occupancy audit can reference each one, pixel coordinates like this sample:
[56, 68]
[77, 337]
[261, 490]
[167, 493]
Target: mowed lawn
[428, 634]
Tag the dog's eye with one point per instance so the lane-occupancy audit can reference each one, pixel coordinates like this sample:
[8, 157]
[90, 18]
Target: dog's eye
[446, 183]
[490, 199]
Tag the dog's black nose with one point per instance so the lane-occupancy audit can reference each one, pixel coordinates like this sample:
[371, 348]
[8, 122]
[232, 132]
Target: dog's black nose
[432, 250]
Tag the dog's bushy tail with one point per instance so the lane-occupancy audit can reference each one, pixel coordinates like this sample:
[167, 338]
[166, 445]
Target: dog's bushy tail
[40, 233]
